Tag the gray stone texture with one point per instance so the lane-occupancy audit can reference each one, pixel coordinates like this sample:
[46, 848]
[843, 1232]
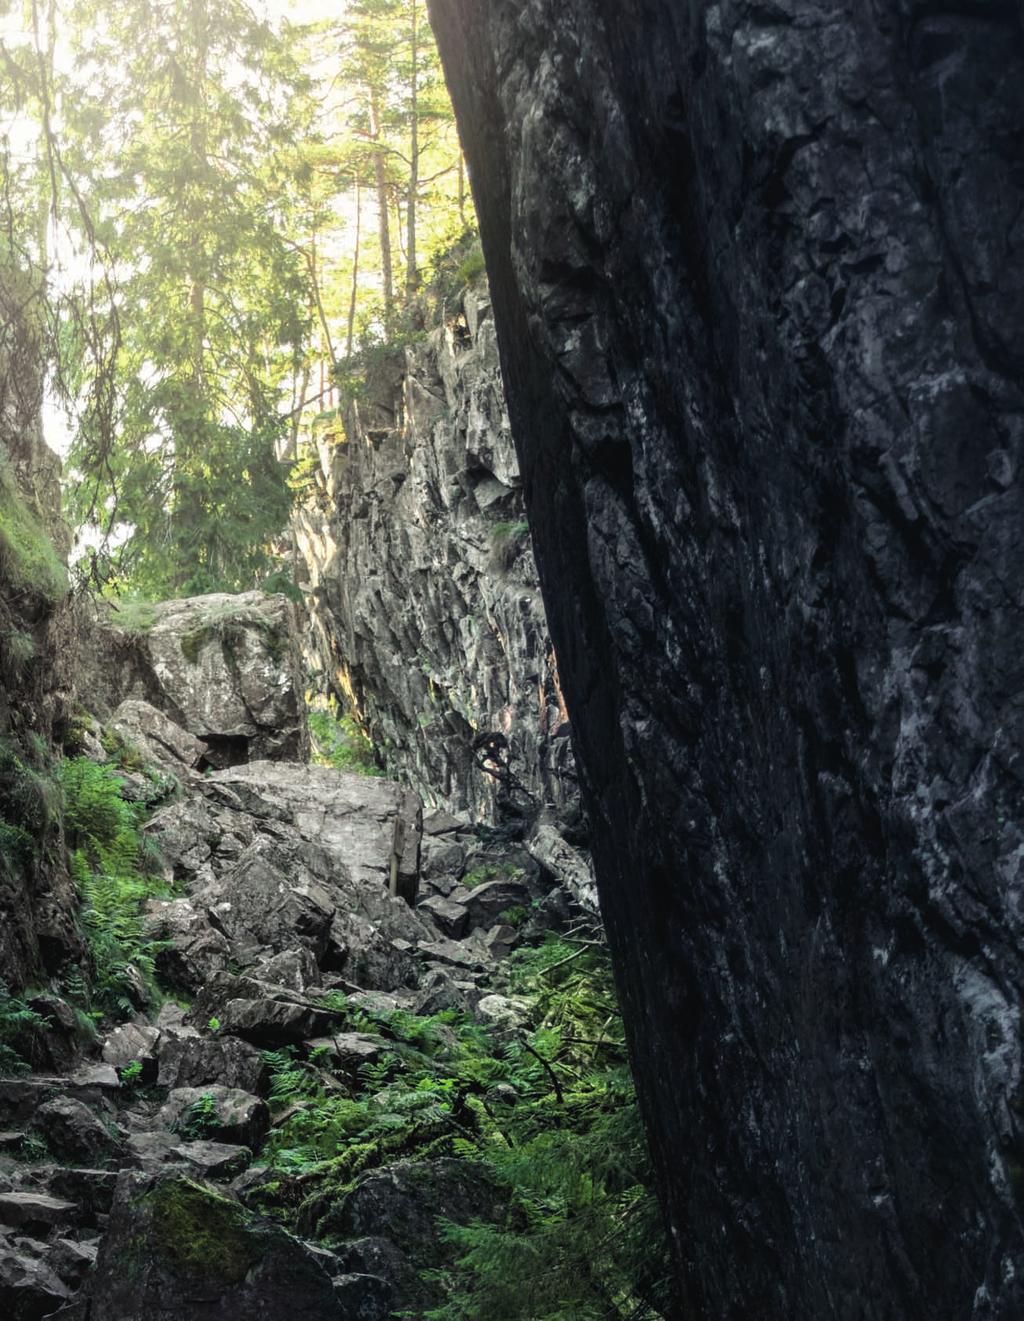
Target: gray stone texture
[423, 594]
[225, 669]
[759, 292]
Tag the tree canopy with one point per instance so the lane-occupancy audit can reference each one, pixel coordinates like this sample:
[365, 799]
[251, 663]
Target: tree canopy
[224, 207]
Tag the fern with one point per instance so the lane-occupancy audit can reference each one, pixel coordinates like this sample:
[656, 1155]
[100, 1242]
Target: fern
[19, 1026]
[109, 867]
[548, 1114]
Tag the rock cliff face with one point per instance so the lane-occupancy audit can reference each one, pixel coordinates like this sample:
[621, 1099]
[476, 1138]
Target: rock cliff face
[422, 587]
[758, 280]
[37, 931]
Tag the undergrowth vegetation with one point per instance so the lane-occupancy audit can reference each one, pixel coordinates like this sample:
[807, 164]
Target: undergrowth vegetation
[338, 741]
[114, 873]
[20, 1025]
[542, 1103]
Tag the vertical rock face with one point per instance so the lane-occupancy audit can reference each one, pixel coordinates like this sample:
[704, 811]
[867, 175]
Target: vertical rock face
[37, 930]
[758, 280]
[422, 586]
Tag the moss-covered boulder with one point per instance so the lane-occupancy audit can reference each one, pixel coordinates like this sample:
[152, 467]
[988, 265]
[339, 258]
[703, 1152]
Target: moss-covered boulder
[177, 1248]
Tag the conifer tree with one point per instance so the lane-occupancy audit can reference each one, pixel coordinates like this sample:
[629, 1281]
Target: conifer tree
[178, 118]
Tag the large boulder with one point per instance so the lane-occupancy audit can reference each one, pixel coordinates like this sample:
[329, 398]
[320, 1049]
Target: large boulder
[290, 866]
[223, 668]
[176, 1248]
[353, 817]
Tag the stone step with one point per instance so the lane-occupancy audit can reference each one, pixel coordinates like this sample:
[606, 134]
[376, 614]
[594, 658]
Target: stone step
[27, 1210]
[20, 1098]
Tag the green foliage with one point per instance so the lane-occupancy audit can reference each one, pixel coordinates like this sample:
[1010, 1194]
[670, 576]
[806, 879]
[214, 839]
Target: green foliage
[375, 369]
[582, 1238]
[19, 1025]
[17, 652]
[132, 616]
[338, 741]
[472, 266]
[502, 532]
[108, 860]
[547, 1110]
[458, 264]
[507, 540]
[178, 121]
[28, 558]
[490, 871]
[29, 801]
[200, 1120]
[131, 1074]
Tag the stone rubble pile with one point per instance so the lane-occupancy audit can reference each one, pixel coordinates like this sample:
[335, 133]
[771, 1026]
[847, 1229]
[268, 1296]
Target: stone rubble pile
[292, 883]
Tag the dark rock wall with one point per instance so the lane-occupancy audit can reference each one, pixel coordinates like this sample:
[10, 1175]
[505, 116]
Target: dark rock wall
[37, 901]
[758, 282]
[421, 584]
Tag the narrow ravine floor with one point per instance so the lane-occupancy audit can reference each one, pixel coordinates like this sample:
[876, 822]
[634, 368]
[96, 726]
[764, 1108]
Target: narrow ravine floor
[153, 1179]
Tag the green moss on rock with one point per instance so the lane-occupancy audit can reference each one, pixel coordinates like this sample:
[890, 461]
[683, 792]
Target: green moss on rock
[199, 1232]
[28, 558]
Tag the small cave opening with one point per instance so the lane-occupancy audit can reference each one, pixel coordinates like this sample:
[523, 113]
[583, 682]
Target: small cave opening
[223, 750]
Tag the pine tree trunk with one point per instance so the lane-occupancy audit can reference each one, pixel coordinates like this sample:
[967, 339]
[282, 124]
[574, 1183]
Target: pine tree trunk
[412, 277]
[355, 274]
[383, 216]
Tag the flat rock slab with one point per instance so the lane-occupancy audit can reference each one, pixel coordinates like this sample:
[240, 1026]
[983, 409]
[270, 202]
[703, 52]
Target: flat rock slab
[215, 1160]
[276, 1022]
[348, 1051]
[352, 816]
[454, 954]
[35, 1210]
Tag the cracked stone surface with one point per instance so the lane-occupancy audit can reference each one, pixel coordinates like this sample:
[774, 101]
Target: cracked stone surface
[422, 588]
[758, 285]
[223, 668]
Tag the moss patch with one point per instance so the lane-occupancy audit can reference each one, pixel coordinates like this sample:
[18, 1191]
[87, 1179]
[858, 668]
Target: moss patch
[231, 626]
[28, 557]
[198, 1232]
[135, 618]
